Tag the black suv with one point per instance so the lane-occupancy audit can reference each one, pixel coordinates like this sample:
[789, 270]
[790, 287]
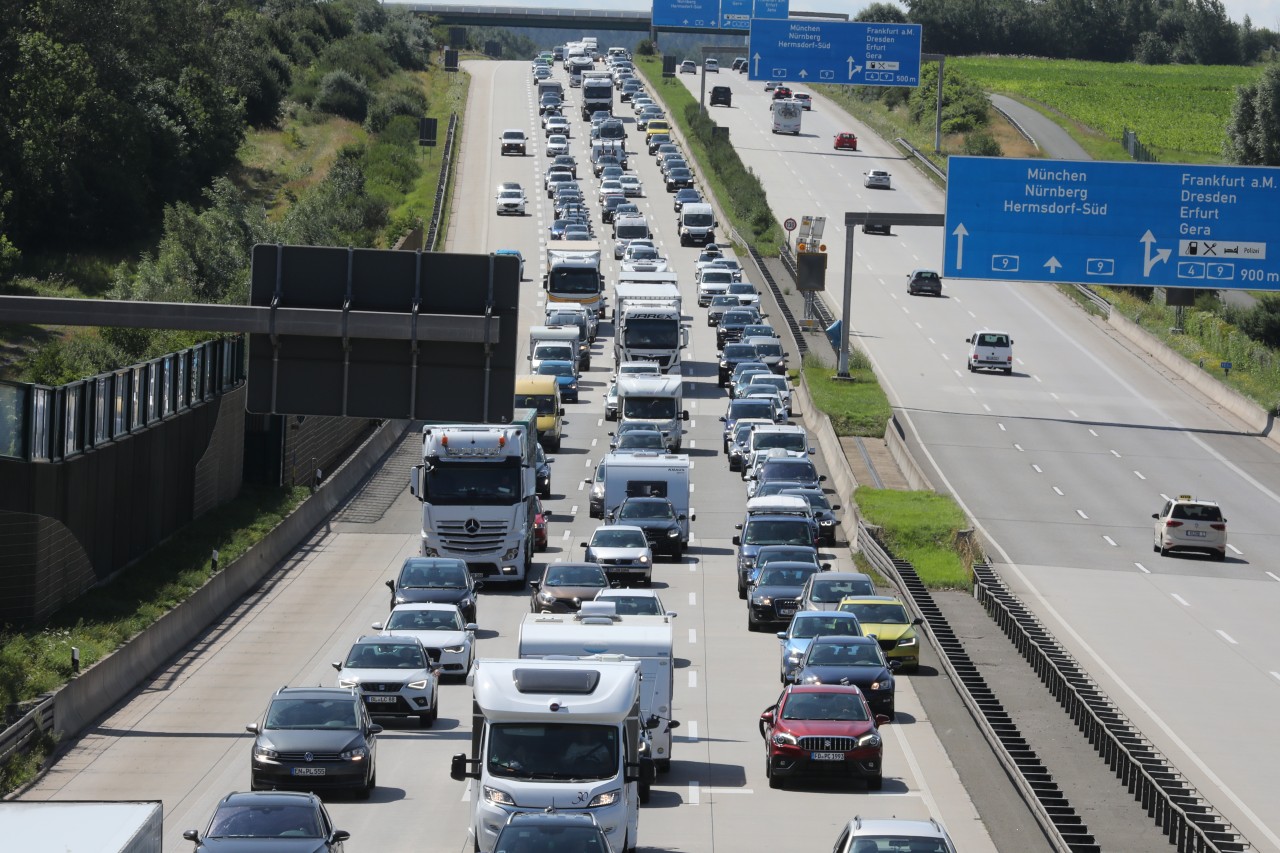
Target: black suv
[730, 357]
[436, 580]
[732, 322]
[774, 596]
[721, 96]
[659, 521]
[269, 817]
[315, 738]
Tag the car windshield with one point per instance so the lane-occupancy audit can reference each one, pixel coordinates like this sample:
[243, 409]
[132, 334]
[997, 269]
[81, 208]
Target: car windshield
[642, 253]
[634, 605]
[640, 440]
[816, 499]
[425, 620]
[618, 539]
[265, 821]
[646, 509]
[574, 576]
[844, 654]
[825, 706]
[833, 591]
[544, 403]
[648, 408]
[768, 350]
[786, 576]
[738, 351]
[549, 752]
[789, 469]
[784, 440]
[427, 575]
[751, 408]
[771, 380]
[291, 713]
[632, 232]
[555, 368]
[778, 532]
[539, 838]
[385, 656]
[993, 340]
[806, 628]
[878, 614]
[773, 555]
[742, 289]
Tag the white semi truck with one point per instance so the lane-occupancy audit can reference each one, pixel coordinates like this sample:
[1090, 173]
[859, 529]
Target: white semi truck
[561, 734]
[597, 629]
[477, 484]
[597, 93]
[656, 401]
[82, 826]
[573, 274]
[647, 324]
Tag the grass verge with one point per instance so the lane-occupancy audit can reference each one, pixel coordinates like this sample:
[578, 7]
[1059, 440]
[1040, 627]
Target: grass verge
[856, 406]
[23, 766]
[922, 528]
[446, 94]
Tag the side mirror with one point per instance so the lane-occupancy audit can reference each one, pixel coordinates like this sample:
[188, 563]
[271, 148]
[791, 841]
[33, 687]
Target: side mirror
[478, 585]
[336, 665]
[722, 419]
[737, 527]
[811, 451]
[458, 768]
[835, 507]
[560, 411]
[375, 729]
[822, 478]
[252, 728]
[340, 835]
[534, 585]
[192, 835]
[684, 414]
[737, 540]
[968, 340]
[782, 635]
[826, 567]
[917, 621]
[586, 545]
[894, 664]
[587, 481]
[882, 720]
[1155, 515]
[377, 626]
[391, 585]
[471, 626]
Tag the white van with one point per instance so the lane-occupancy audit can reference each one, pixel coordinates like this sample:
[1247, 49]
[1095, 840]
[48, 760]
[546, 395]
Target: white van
[990, 351]
[697, 224]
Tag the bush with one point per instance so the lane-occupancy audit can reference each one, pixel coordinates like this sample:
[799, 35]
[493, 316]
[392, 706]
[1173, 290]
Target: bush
[980, 143]
[646, 48]
[401, 102]
[744, 194]
[343, 94]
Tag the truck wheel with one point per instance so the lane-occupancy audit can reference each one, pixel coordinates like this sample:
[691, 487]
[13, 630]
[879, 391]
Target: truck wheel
[663, 765]
[644, 790]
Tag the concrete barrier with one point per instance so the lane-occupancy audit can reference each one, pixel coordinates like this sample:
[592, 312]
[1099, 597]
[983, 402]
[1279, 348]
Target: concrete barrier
[1225, 396]
[901, 453]
[842, 479]
[96, 690]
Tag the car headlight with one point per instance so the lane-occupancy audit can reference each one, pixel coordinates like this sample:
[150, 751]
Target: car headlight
[430, 552]
[546, 598]
[453, 650]
[784, 739]
[827, 523]
[724, 364]
[421, 684]
[607, 798]
[882, 685]
[511, 553]
[359, 753]
[794, 658]
[348, 682]
[498, 798]
[812, 679]
[762, 599]
[264, 752]
[871, 739]
[907, 641]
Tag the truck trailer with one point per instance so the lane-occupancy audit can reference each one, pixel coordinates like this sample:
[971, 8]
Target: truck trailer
[82, 826]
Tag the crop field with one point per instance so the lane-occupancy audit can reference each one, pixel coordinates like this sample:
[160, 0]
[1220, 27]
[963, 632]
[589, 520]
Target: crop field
[1179, 111]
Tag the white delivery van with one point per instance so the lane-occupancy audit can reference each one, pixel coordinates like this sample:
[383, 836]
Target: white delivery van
[990, 350]
[656, 401]
[552, 343]
[554, 734]
[697, 224]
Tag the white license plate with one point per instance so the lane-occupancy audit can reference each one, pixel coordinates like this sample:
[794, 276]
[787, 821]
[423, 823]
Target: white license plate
[380, 700]
[827, 756]
[1195, 533]
[787, 611]
[307, 771]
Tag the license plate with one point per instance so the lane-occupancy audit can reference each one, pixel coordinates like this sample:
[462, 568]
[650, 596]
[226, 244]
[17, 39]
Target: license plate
[307, 771]
[380, 700]
[827, 756]
[1195, 532]
[787, 611]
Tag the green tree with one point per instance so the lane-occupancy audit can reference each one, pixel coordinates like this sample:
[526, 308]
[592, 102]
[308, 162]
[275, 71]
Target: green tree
[1253, 133]
[882, 13]
[343, 94]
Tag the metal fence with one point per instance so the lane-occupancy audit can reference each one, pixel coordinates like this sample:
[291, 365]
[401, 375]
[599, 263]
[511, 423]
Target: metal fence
[446, 163]
[40, 423]
[1138, 151]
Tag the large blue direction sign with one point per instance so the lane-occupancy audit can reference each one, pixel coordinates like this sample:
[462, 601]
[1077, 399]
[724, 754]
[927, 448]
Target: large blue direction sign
[715, 14]
[1156, 224]
[859, 54]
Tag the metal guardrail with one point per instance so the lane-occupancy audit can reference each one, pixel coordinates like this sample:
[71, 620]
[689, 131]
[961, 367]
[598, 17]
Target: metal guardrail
[920, 156]
[797, 332]
[1016, 125]
[446, 164]
[1064, 829]
[18, 737]
[1190, 823]
[1101, 304]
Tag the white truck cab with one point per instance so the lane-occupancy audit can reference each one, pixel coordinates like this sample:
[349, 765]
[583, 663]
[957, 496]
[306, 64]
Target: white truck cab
[990, 350]
[654, 400]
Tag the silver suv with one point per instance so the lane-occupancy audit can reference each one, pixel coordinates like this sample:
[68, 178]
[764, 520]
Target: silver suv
[883, 835]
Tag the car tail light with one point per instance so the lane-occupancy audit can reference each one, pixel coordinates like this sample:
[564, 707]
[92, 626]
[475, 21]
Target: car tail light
[1172, 523]
[1218, 526]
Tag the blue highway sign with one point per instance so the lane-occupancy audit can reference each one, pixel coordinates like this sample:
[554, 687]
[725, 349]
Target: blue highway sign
[1156, 224]
[813, 51]
[715, 14]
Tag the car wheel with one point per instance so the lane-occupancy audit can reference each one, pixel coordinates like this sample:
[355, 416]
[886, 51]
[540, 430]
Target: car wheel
[677, 554]
[875, 783]
[742, 590]
[365, 791]
[546, 493]
[1164, 552]
[751, 622]
[425, 720]
[1008, 371]
[775, 781]
[1220, 556]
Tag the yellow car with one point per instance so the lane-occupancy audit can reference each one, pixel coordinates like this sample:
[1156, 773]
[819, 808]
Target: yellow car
[887, 619]
[657, 125]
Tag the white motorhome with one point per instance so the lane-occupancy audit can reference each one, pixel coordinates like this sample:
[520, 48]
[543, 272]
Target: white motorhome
[647, 474]
[553, 343]
[573, 274]
[787, 113]
[654, 400]
[598, 630]
[562, 734]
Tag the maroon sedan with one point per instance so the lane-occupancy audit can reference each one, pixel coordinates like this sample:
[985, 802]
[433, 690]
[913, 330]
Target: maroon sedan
[822, 730]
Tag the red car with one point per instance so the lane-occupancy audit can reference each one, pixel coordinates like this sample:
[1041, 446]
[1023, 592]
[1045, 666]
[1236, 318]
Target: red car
[781, 92]
[822, 730]
[539, 526]
[846, 141]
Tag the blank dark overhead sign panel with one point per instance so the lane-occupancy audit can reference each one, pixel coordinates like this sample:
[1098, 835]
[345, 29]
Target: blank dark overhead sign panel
[415, 342]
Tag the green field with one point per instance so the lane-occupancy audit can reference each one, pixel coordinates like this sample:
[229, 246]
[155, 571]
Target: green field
[1179, 111]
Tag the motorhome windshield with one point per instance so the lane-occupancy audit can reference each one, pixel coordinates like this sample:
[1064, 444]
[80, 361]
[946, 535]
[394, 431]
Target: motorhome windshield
[553, 752]
[655, 333]
[580, 281]
[460, 483]
[552, 352]
[649, 408]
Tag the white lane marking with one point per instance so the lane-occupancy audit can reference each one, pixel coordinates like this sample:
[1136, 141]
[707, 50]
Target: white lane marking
[1143, 568]
[945, 357]
[1116, 455]
[574, 510]
[1110, 541]
[693, 678]
[1080, 513]
[916, 773]
[1058, 492]
[932, 341]
[1224, 635]
[973, 390]
[693, 424]
[1093, 433]
[693, 566]
[1037, 469]
[1018, 447]
[1179, 599]
[692, 486]
[1274, 576]
[1053, 395]
[693, 443]
[985, 406]
[693, 731]
[1138, 474]
[565, 536]
[693, 599]
[1036, 378]
[693, 636]
[1073, 413]
[587, 463]
[1163, 496]
[957, 373]
[582, 485]
[1002, 429]
[594, 441]
[973, 315]
[599, 422]
[1234, 549]
[1275, 675]
[694, 799]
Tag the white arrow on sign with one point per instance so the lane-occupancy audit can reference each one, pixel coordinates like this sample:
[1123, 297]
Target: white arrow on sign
[757, 59]
[1149, 261]
[803, 74]
[960, 233]
[1053, 264]
[853, 69]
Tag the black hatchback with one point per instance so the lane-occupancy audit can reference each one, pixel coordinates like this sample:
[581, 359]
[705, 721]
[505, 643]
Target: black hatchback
[269, 822]
[436, 580]
[313, 739]
[721, 96]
